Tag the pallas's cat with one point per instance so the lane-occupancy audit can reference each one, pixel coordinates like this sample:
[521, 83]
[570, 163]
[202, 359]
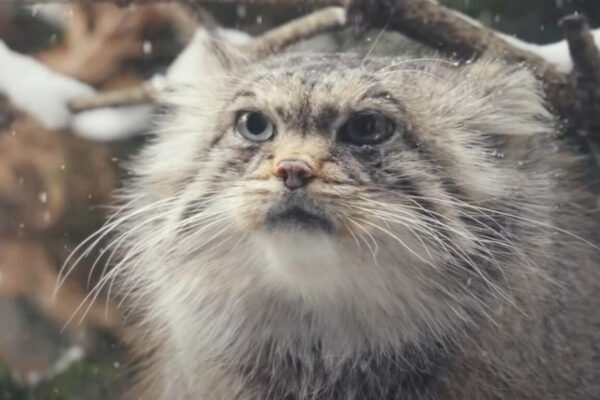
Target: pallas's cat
[327, 226]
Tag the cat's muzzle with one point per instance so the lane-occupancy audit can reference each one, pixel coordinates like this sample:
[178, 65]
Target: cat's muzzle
[296, 211]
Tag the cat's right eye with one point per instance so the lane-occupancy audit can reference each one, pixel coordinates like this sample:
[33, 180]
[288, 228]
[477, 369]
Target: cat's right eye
[366, 128]
[255, 126]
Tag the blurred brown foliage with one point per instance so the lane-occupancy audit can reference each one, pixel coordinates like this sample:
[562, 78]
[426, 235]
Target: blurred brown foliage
[53, 184]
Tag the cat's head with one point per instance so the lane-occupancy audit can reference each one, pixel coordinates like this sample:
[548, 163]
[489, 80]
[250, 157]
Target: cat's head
[330, 171]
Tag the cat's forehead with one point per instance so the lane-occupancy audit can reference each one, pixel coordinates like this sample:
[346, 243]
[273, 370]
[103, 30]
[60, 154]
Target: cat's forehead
[310, 70]
[299, 88]
[325, 62]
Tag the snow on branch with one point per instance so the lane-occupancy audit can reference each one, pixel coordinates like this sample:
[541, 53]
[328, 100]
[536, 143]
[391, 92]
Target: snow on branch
[439, 27]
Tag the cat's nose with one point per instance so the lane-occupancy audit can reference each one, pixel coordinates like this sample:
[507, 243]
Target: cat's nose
[294, 173]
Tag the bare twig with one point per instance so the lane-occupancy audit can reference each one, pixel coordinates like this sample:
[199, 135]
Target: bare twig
[116, 98]
[270, 42]
[586, 75]
[310, 25]
[585, 53]
[310, 3]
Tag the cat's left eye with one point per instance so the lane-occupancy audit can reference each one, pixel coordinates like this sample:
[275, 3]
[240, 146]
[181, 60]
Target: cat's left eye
[255, 126]
[366, 128]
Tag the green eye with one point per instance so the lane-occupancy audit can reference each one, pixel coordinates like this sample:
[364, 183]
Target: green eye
[255, 126]
[366, 128]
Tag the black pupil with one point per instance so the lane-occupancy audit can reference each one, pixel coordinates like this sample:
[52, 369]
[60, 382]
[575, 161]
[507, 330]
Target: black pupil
[257, 123]
[365, 125]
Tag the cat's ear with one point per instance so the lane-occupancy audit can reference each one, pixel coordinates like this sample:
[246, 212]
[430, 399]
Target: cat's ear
[211, 53]
[512, 97]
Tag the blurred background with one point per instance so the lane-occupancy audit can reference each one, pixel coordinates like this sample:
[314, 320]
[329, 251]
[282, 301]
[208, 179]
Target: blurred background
[56, 178]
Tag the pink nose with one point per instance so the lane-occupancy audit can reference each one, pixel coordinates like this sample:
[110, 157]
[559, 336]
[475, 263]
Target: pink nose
[294, 173]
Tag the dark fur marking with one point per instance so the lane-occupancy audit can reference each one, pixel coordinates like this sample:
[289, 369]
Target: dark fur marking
[413, 143]
[452, 188]
[323, 120]
[382, 95]
[498, 232]
[191, 209]
[371, 156]
[302, 118]
[244, 93]
[342, 152]
[234, 164]
[217, 139]
[402, 182]
[283, 114]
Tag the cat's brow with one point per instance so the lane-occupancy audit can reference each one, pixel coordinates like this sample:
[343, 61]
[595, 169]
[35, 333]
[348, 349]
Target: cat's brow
[244, 93]
[381, 95]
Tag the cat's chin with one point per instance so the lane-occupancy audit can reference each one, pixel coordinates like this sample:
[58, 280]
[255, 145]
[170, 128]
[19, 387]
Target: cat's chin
[304, 261]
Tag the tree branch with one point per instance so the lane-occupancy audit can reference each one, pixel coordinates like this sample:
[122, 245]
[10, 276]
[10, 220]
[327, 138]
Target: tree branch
[115, 98]
[305, 27]
[455, 34]
[585, 53]
[446, 30]
[586, 74]
[310, 3]
[270, 42]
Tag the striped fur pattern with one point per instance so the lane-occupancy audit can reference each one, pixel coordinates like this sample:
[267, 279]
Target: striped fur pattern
[460, 263]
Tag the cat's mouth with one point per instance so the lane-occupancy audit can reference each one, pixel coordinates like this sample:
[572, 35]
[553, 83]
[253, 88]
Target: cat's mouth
[295, 211]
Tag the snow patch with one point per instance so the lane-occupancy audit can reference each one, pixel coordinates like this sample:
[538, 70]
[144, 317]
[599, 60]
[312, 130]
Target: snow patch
[107, 124]
[34, 88]
[555, 53]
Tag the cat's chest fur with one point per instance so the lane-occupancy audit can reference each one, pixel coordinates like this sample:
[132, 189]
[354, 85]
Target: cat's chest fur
[263, 343]
[408, 373]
